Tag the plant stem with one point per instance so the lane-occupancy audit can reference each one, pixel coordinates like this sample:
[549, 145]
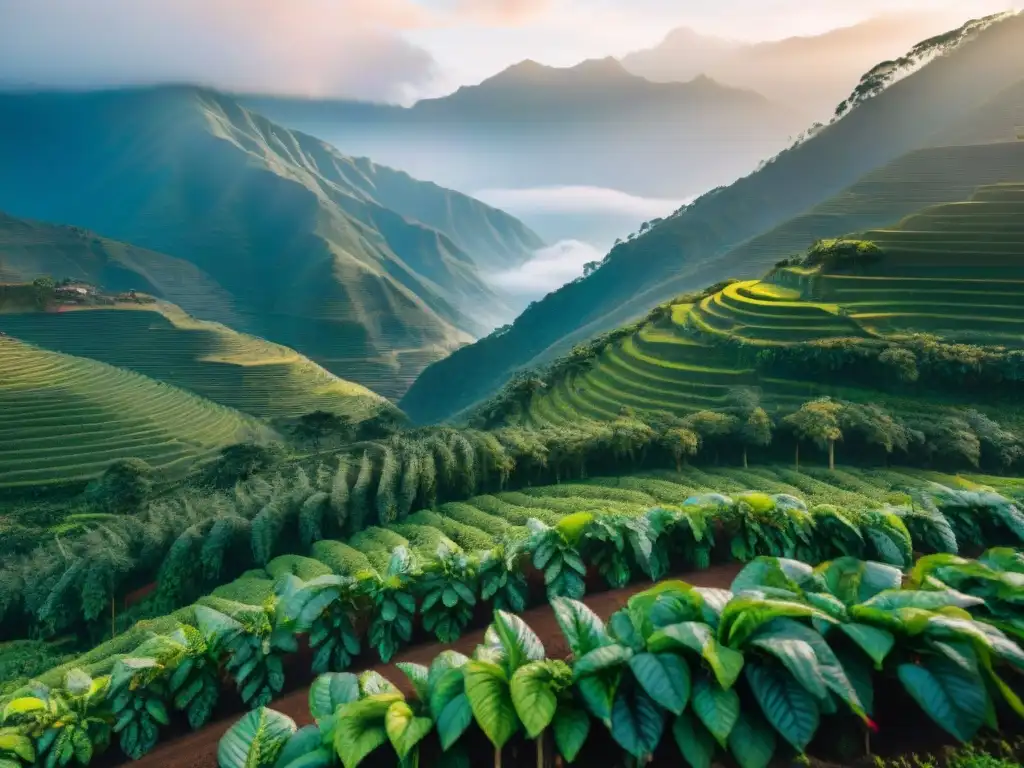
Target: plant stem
[540, 750]
[497, 757]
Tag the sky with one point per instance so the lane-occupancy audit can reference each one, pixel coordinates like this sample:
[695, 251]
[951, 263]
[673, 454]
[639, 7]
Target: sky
[384, 50]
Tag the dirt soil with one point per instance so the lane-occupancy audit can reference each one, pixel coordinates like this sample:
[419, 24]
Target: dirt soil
[199, 750]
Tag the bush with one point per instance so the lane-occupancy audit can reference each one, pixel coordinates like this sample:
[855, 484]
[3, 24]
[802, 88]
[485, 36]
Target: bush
[123, 487]
[243, 460]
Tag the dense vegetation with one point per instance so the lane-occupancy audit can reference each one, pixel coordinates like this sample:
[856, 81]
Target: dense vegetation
[753, 672]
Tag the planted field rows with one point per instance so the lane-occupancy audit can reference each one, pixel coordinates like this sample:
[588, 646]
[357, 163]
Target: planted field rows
[478, 524]
[233, 369]
[66, 418]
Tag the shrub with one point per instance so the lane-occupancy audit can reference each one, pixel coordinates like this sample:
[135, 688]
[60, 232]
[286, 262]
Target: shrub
[124, 486]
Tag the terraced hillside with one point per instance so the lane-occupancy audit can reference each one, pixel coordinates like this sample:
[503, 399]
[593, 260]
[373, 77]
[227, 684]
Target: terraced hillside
[694, 247]
[64, 419]
[31, 249]
[955, 270]
[337, 258]
[162, 342]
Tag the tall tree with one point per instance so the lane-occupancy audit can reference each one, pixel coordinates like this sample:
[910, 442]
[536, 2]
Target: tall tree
[755, 431]
[818, 421]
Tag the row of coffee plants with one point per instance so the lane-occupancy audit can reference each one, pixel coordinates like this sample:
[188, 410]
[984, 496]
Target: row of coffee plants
[616, 544]
[751, 672]
[182, 670]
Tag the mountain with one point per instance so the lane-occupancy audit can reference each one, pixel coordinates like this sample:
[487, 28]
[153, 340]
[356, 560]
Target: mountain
[692, 248]
[815, 72]
[594, 124]
[365, 270]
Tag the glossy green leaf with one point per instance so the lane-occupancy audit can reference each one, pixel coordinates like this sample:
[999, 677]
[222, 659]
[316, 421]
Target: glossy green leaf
[571, 727]
[716, 707]
[790, 709]
[533, 695]
[694, 741]
[699, 637]
[752, 741]
[665, 677]
[637, 722]
[487, 688]
[262, 732]
[405, 730]
[583, 629]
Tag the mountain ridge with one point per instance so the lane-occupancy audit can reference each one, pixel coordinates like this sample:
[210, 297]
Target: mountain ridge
[684, 251]
[300, 235]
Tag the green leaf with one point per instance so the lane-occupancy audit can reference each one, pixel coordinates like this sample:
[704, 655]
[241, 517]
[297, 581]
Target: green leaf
[450, 706]
[716, 707]
[875, 642]
[404, 729]
[854, 581]
[598, 692]
[600, 659]
[928, 600]
[699, 637]
[583, 629]
[954, 699]
[790, 709]
[752, 741]
[744, 615]
[331, 690]
[487, 688]
[301, 743]
[533, 696]
[372, 683]
[571, 727]
[637, 722]
[665, 677]
[17, 743]
[694, 741]
[797, 657]
[360, 727]
[521, 643]
[262, 732]
[417, 675]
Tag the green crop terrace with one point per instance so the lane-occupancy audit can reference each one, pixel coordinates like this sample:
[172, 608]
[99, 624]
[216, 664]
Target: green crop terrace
[250, 374]
[955, 270]
[64, 419]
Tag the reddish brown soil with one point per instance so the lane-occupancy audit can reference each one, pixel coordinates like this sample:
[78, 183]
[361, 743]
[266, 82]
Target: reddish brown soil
[199, 750]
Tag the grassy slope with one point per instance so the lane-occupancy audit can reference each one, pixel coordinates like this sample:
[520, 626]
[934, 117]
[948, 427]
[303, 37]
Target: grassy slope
[690, 249]
[951, 269]
[64, 418]
[160, 341]
[289, 228]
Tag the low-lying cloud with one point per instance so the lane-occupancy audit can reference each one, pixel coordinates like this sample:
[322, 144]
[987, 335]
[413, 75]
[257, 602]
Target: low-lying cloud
[577, 199]
[549, 269]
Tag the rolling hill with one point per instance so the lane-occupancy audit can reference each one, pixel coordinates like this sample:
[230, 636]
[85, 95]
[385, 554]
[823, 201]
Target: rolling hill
[954, 270]
[702, 243]
[363, 269]
[63, 419]
[162, 342]
[813, 72]
[531, 125]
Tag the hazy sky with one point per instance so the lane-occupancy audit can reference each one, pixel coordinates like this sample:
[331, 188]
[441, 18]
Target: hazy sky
[379, 49]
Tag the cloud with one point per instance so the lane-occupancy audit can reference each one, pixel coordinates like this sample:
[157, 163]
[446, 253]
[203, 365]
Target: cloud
[503, 11]
[312, 47]
[549, 269]
[577, 199]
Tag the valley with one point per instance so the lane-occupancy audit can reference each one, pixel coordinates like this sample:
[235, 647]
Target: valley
[613, 410]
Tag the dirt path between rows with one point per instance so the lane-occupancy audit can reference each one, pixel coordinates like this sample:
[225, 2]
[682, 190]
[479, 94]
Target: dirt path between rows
[199, 750]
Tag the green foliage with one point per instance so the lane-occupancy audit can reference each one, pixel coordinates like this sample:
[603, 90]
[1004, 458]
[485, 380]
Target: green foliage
[123, 487]
[841, 254]
[448, 589]
[138, 701]
[241, 461]
[393, 603]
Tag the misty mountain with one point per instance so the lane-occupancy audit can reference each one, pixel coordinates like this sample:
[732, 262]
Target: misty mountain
[530, 126]
[364, 269]
[815, 72]
[959, 96]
